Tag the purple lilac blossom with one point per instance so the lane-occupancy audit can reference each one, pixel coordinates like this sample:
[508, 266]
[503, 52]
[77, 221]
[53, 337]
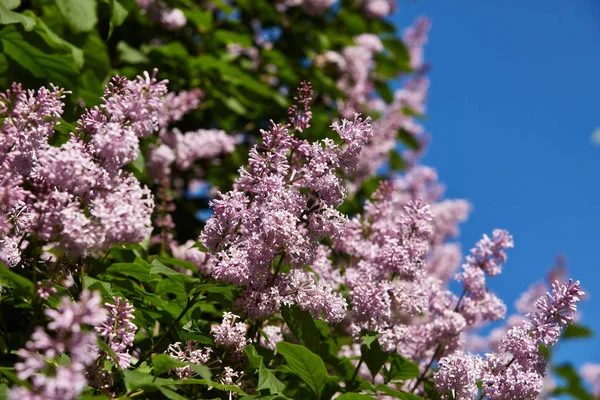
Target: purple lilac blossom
[67, 336]
[284, 202]
[190, 354]
[118, 330]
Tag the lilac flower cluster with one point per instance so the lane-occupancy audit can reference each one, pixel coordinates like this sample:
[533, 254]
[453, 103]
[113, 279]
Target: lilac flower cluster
[282, 204]
[184, 149]
[356, 81]
[171, 19]
[230, 335]
[312, 7]
[77, 197]
[118, 330]
[189, 354]
[591, 374]
[67, 336]
[377, 8]
[399, 265]
[354, 64]
[517, 370]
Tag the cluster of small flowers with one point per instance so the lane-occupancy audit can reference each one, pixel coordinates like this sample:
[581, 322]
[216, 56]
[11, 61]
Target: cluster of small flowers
[282, 204]
[517, 370]
[354, 64]
[524, 305]
[376, 9]
[312, 7]
[230, 335]
[591, 374]
[189, 354]
[184, 149]
[156, 10]
[415, 37]
[118, 330]
[77, 197]
[399, 264]
[68, 336]
[273, 336]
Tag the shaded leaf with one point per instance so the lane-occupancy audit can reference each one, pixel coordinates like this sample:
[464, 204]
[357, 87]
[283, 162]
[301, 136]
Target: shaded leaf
[303, 326]
[374, 357]
[266, 380]
[79, 14]
[8, 17]
[306, 364]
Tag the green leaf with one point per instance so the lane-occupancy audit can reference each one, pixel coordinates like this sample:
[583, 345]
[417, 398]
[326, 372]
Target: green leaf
[368, 339]
[230, 37]
[43, 54]
[164, 363]
[203, 19]
[306, 364]
[355, 396]
[106, 348]
[266, 380]
[398, 50]
[202, 370]
[117, 15]
[353, 21]
[130, 55]
[374, 357]
[401, 369]
[79, 14]
[171, 394]
[303, 326]
[253, 359]
[12, 4]
[133, 270]
[574, 386]
[234, 105]
[8, 17]
[384, 91]
[396, 161]
[399, 394]
[9, 278]
[408, 139]
[577, 331]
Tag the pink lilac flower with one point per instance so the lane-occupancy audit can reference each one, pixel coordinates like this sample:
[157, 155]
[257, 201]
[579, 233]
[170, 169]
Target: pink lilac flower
[378, 8]
[188, 252]
[319, 298]
[415, 38]
[300, 120]
[78, 193]
[68, 336]
[10, 255]
[159, 161]
[156, 10]
[590, 373]
[189, 354]
[517, 369]
[555, 311]
[230, 335]
[201, 144]
[273, 336]
[312, 7]
[457, 376]
[281, 206]
[502, 380]
[119, 330]
[173, 19]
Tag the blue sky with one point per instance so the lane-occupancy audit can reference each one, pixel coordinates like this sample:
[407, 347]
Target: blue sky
[515, 98]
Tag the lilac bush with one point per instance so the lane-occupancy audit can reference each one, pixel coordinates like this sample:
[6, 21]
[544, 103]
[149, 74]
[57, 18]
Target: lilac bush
[233, 239]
